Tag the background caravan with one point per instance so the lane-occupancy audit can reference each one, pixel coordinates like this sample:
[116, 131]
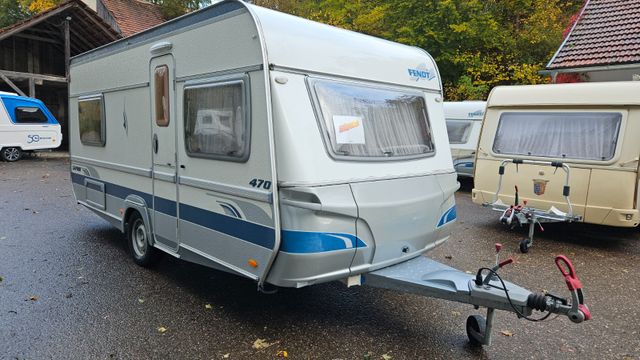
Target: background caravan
[26, 125]
[464, 120]
[173, 135]
[575, 150]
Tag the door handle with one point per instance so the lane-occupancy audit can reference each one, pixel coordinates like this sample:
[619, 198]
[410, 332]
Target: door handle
[155, 143]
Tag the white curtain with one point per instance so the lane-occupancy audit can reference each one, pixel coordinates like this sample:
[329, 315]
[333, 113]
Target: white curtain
[458, 131]
[394, 122]
[563, 135]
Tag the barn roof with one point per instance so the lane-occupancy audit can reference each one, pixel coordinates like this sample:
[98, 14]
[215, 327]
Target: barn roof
[87, 29]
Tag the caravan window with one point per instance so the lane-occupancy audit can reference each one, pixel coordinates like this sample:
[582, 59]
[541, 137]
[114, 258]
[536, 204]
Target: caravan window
[161, 81]
[29, 115]
[92, 121]
[570, 135]
[217, 121]
[459, 131]
[372, 123]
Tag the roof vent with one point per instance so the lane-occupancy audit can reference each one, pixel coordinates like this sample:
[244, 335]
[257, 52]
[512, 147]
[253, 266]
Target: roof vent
[161, 48]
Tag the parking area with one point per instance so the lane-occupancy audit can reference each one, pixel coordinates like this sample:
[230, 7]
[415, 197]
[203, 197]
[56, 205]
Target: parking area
[69, 290]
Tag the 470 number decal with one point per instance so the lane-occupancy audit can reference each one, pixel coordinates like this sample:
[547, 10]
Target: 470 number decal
[260, 183]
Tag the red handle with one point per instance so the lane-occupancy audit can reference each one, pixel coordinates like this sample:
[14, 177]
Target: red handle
[563, 263]
[506, 262]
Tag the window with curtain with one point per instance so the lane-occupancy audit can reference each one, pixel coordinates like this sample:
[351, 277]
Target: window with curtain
[372, 122]
[458, 131]
[563, 135]
[216, 121]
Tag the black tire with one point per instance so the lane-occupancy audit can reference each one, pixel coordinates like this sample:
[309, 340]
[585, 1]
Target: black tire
[476, 330]
[138, 237]
[524, 246]
[11, 154]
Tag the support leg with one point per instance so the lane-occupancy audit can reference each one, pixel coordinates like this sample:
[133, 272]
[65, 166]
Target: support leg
[525, 244]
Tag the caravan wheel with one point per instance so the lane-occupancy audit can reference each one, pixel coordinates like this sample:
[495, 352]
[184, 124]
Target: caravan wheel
[138, 238]
[11, 154]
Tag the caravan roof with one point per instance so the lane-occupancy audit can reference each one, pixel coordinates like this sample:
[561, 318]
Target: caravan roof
[464, 110]
[601, 93]
[311, 47]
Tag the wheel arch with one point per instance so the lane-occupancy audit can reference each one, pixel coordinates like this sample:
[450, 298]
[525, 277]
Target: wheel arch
[135, 203]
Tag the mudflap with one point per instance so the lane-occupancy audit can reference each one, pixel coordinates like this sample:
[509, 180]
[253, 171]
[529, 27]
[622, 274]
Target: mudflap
[427, 277]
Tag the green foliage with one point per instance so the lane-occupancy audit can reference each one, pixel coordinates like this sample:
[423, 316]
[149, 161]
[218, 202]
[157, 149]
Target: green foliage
[174, 8]
[11, 12]
[477, 44]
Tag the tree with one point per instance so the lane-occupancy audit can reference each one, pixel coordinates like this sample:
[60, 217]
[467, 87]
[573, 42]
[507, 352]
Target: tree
[11, 12]
[174, 8]
[477, 44]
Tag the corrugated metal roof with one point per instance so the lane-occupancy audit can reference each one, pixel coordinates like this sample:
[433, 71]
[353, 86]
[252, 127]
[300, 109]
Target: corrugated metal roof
[607, 33]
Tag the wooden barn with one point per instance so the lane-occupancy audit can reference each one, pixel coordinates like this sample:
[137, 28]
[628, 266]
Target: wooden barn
[34, 53]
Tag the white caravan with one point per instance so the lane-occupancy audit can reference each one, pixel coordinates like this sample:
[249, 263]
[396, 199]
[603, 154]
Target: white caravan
[276, 148]
[25, 125]
[464, 121]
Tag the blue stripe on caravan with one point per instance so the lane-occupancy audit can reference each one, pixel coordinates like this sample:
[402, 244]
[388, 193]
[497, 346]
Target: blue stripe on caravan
[113, 189]
[165, 206]
[448, 216]
[117, 190]
[314, 242]
[301, 242]
[254, 233]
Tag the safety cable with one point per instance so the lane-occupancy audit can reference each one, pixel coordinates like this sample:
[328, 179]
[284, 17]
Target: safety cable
[506, 292]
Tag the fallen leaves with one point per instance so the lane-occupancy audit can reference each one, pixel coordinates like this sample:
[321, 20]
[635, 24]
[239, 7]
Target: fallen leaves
[386, 357]
[260, 344]
[226, 356]
[208, 307]
[455, 313]
[33, 298]
[141, 301]
[162, 329]
[282, 353]
[506, 333]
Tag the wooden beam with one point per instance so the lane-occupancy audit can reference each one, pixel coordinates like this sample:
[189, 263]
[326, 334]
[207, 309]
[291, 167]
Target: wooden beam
[86, 46]
[32, 88]
[37, 38]
[106, 29]
[23, 75]
[35, 20]
[67, 47]
[44, 31]
[10, 83]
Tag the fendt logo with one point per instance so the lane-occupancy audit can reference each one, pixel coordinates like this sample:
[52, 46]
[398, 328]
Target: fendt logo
[477, 113]
[421, 72]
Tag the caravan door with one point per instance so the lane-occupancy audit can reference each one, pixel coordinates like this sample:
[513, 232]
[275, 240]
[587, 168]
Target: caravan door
[163, 143]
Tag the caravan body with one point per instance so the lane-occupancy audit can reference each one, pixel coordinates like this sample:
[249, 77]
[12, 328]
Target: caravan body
[273, 147]
[26, 125]
[591, 129]
[464, 120]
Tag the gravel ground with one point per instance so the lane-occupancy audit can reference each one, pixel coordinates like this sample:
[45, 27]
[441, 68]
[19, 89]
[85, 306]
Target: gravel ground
[69, 290]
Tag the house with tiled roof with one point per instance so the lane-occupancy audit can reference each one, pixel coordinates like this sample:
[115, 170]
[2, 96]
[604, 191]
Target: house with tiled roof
[602, 45]
[127, 17]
